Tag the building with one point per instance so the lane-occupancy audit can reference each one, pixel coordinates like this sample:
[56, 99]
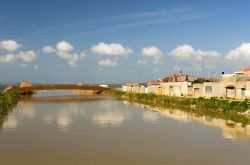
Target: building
[176, 88]
[177, 85]
[179, 77]
[134, 87]
[25, 84]
[213, 89]
[198, 90]
[236, 85]
[154, 87]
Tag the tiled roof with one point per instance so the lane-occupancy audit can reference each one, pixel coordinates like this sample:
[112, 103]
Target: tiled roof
[245, 71]
[173, 77]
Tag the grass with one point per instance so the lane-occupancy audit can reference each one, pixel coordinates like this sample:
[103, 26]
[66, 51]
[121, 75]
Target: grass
[209, 107]
[7, 102]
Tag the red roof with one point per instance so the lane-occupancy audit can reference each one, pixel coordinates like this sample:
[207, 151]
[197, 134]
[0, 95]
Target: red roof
[245, 71]
[172, 78]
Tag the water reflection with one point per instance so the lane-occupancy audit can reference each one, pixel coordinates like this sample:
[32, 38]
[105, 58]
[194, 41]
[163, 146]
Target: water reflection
[150, 116]
[11, 122]
[63, 111]
[110, 115]
[230, 129]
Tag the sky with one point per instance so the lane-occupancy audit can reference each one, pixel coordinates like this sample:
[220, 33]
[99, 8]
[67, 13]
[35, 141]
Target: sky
[115, 41]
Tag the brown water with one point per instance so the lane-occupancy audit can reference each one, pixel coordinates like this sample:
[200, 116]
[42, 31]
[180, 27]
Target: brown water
[101, 130]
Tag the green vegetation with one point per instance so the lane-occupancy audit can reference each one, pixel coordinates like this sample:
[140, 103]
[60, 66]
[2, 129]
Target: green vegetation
[7, 101]
[211, 107]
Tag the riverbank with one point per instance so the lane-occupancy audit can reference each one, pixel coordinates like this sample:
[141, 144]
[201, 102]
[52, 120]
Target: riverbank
[7, 102]
[230, 110]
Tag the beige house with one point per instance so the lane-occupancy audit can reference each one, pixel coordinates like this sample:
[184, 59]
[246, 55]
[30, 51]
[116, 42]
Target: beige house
[236, 86]
[176, 88]
[127, 87]
[25, 84]
[213, 89]
[198, 90]
[134, 87]
[154, 87]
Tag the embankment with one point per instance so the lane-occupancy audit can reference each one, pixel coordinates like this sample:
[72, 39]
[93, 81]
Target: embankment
[226, 109]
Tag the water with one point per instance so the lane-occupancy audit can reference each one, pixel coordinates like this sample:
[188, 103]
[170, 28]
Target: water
[102, 130]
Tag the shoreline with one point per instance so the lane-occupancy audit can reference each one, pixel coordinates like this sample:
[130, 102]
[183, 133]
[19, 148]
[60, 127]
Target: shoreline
[237, 111]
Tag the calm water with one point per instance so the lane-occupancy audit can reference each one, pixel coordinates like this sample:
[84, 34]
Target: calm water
[101, 130]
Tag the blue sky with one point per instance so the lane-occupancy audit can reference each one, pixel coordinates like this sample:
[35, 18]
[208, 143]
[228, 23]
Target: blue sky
[114, 41]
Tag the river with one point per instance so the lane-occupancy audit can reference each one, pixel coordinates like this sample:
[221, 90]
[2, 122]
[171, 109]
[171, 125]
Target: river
[77, 129]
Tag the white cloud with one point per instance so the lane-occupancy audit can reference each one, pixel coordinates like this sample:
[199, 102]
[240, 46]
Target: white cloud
[64, 51]
[36, 67]
[72, 58]
[10, 45]
[64, 46]
[153, 52]
[27, 56]
[7, 58]
[107, 63]
[240, 53]
[113, 49]
[143, 62]
[48, 49]
[188, 52]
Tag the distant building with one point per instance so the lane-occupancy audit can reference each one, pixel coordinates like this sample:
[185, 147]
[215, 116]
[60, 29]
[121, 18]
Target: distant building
[25, 84]
[134, 87]
[179, 77]
[177, 85]
[154, 87]
[236, 85]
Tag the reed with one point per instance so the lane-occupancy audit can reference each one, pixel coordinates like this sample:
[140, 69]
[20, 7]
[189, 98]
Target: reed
[7, 102]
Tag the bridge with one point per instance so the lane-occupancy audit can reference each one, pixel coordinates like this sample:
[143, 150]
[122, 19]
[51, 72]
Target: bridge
[31, 88]
[61, 87]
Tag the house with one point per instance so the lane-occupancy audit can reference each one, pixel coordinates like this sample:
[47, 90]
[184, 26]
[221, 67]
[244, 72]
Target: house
[175, 88]
[198, 90]
[236, 85]
[177, 85]
[213, 89]
[134, 87]
[154, 87]
[127, 87]
[179, 77]
[24, 83]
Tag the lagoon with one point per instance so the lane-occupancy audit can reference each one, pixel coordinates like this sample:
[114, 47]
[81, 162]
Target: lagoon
[77, 129]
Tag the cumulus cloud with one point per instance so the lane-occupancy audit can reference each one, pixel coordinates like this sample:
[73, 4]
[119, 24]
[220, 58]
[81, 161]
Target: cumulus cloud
[48, 49]
[64, 46]
[143, 62]
[72, 58]
[107, 63]
[240, 53]
[10, 45]
[27, 56]
[187, 52]
[153, 52]
[7, 58]
[64, 50]
[113, 49]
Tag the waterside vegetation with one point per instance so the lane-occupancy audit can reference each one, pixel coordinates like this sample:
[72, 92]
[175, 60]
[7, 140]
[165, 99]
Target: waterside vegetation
[8, 101]
[226, 109]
